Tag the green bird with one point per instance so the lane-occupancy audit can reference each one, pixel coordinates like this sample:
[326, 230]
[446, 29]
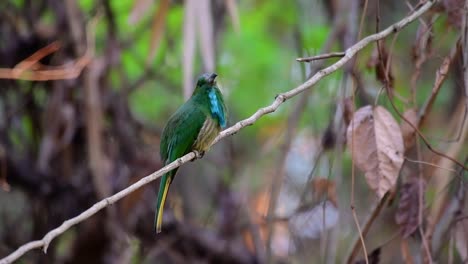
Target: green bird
[193, 127]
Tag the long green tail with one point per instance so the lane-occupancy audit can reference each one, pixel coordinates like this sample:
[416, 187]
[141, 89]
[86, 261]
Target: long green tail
[162, 194]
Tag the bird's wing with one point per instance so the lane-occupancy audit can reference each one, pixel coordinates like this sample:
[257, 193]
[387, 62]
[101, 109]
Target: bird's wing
[181, 132]
[218, 108]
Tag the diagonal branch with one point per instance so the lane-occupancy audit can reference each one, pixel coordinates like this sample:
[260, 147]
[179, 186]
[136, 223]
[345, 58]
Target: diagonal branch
[321, 57]
[280, 99]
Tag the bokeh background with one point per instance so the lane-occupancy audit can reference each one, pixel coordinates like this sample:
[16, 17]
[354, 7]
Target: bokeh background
[84, 120]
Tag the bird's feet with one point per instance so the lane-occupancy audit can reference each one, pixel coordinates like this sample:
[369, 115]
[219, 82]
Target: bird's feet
[199, 154]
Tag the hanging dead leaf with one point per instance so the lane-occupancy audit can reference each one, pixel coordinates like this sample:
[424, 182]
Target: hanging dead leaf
[348, 110]
[324, 187]
[381, 62]
[157, 29]
[377, 147]
[329, 138]
[3, 170]
[407, 215]
[408, 131]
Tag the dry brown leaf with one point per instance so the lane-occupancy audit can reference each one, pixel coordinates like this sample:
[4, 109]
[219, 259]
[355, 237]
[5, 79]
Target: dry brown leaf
[348, 110]
[407, 215]
[379, 61]
[324, 187]
[336, 133]
[408, 131]
[157, 29]
[329, 137]
[3, 170]
[377, 147]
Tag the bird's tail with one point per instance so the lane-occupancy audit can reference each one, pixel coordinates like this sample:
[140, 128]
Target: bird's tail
[162, 194]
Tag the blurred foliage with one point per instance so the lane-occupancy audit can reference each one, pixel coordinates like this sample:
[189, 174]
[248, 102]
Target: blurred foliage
[254, 63]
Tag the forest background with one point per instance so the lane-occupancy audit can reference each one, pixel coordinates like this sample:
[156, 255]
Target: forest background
[86, 88]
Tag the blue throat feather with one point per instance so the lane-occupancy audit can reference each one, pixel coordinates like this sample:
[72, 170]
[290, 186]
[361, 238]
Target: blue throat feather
[216, 108]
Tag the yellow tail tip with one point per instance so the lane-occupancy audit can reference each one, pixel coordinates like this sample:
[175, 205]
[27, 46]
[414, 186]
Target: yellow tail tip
[159, 222]
[160, 208]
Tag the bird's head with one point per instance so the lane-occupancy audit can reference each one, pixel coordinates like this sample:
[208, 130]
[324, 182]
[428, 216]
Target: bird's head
[205, 82]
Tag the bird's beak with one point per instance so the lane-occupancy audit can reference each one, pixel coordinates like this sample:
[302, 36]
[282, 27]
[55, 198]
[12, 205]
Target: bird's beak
[213, 77]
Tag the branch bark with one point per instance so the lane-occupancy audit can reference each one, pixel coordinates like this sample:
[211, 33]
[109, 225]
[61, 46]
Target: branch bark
[280, 99]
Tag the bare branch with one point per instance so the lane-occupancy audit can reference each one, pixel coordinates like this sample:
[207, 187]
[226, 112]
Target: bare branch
[280, 99]
[322, 56]
[293, 122]
[30, 69]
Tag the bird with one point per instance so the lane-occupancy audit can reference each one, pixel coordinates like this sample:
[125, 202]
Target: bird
[193, 127]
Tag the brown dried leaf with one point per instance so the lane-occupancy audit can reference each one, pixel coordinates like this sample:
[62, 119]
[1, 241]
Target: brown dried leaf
[157, 30]
[407, 215]
[336, 133]
[379, 61]
[377, 147]
[408, 131]
[3, 170]
[329, 137]
[324, 187]
[348, 110]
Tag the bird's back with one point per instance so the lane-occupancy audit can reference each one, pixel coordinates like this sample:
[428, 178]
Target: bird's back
[181, 131]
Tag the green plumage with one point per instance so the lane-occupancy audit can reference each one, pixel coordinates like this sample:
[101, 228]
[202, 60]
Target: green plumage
[193, 126]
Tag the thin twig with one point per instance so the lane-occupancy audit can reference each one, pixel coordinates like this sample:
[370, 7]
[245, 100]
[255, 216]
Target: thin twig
[293, 122]
[366, 227]
[322, 56]
[353, 209]
[280, 99]
[430, 164]
[29, 62]
[426, 142]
